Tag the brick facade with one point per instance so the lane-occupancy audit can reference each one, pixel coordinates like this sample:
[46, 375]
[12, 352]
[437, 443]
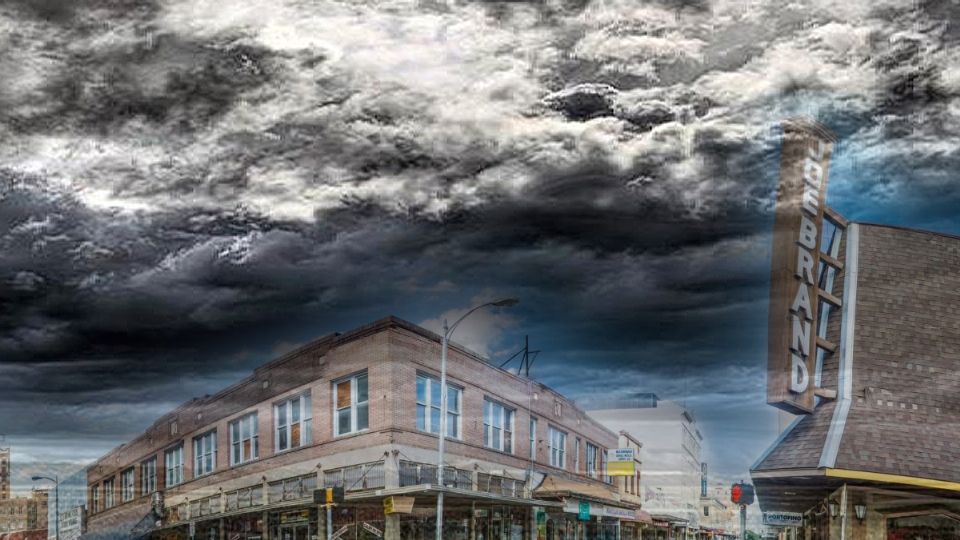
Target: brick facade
[906, 363]
[391, 352]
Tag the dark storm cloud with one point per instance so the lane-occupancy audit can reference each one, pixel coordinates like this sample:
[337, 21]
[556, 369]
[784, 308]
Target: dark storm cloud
[186, 186]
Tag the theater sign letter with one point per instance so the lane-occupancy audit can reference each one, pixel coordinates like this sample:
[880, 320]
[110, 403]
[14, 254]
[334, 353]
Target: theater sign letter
[805, 156]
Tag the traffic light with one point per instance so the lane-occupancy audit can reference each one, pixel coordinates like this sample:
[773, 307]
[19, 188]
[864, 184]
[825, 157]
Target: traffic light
[330, 495]
[741, 493]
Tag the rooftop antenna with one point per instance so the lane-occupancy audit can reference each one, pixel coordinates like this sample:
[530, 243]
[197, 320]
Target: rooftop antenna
[526, 360]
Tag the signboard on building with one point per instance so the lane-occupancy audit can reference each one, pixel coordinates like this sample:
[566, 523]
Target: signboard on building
[621, 462]
[71, 523]
[583, 512]
[798, 218]
[617, 512]
[783, 519]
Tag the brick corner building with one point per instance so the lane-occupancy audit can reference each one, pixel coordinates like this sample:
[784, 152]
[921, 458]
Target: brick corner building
[360, 410]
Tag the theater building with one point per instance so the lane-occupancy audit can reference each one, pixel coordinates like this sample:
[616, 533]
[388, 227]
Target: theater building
[865, 351]
[361, 410]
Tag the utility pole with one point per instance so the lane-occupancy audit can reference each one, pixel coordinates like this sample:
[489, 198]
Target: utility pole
[743, 522]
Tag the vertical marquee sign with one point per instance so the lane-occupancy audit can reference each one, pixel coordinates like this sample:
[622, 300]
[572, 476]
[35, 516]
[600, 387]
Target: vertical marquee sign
[798, 219]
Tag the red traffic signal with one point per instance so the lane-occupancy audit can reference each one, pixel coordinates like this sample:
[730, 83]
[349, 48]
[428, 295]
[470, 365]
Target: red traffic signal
[741, 493]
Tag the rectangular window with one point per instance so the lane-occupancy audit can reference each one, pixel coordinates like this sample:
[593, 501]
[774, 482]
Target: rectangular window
[428, 406]
[108, 493]
[497, 426]
[95, 498]
[293, 420]
[558, 447]
[351, 405]
[244, 442]
[593, 460]
[576, 454]
[204, 453]
[173, 462]
[533, 438]
[148, 476]
[126, 485]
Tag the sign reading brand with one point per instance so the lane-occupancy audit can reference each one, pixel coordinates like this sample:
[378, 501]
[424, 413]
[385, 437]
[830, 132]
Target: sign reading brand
[583, 513]
[783, 519]
[801, 199]
[620, 462]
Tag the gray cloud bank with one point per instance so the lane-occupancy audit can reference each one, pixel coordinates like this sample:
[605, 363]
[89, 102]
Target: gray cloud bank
[184, 184]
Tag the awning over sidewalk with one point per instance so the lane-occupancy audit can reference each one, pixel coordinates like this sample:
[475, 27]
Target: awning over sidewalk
[554, 487]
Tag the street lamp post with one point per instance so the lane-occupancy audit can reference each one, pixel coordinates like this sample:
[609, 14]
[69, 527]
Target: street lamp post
[447, 331]
[56, 491]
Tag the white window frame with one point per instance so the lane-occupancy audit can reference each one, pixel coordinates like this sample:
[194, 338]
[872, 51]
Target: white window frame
[148, 476]
[127, 488]
[354, 406]
[558, 447]
[533, 437]
[576, 455]
[200, 466]
[244, 429]
[427, 403]
[173, 466]
[592, 465]
[95, 498]
[508, 417]
[304, 410]
[109, 493]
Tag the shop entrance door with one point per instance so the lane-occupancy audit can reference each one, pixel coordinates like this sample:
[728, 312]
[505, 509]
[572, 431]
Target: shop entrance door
[294, 531]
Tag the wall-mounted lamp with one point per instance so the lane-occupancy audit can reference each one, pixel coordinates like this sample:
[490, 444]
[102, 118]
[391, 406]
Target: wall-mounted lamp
[861, 510]
[834, 508]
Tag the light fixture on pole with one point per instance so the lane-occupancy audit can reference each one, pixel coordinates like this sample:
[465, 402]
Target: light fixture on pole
[56, 490]
[861, 511]
[447, 331]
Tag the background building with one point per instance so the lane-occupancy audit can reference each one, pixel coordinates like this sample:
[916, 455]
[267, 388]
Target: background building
[671, 454]
[73, 495]
[23, 513]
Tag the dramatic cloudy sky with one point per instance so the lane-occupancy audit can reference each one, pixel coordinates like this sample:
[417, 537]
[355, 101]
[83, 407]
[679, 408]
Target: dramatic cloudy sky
[188, 187]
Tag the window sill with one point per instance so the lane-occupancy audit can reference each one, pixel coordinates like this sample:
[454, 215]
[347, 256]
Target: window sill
[351, 434]
[251, 460]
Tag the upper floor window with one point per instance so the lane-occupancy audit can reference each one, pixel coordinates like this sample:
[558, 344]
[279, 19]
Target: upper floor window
[351, 405]
[108, 493]
[293, 419]
[148, 476]
[244, 442]
[126, 485]
[576, 454]
[533, 438]
[497, 426]
[428, 406]
[173, 463]
[593, 460]
[204, 453]
[558, 447]
[95, 498]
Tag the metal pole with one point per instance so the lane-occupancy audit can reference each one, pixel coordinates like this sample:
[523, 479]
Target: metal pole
[443, 427]
[743, 522]
[843, 513]
[329, 522]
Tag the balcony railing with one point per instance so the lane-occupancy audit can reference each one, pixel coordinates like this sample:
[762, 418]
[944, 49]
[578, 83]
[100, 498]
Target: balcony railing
[357, 477]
